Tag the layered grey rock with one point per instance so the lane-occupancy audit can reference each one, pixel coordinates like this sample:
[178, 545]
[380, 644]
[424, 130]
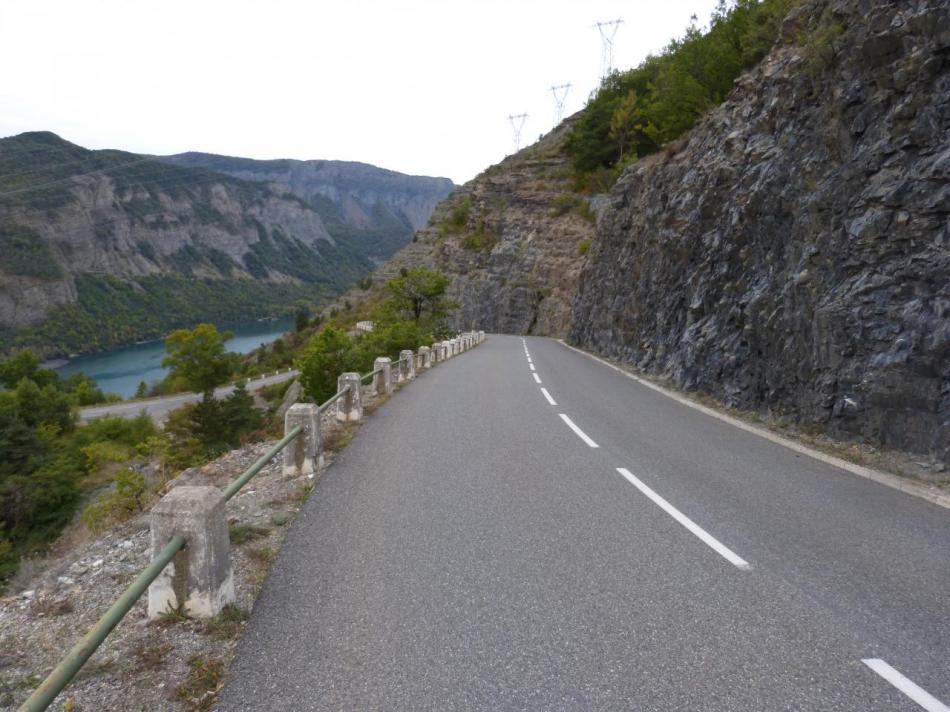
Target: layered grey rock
[794, 255]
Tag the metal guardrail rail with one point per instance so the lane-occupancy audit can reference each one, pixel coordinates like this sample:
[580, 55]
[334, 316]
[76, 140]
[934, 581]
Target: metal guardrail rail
[63, 673]
[80, 653]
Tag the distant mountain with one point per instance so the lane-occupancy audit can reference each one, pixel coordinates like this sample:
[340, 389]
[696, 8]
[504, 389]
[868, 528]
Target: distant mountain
[99, 248]
[375, 210]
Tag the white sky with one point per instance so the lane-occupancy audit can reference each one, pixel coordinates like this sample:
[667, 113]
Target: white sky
[423, 86]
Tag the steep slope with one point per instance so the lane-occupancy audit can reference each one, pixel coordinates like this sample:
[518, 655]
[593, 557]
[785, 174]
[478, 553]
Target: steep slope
[104, 247]
[374, 209]
[793, 255]
[511, 240]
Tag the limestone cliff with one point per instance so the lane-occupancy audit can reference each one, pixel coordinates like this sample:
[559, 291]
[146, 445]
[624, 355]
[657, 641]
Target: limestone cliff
[376, 209]
[101, 247]
[794, 254]
[512, 241]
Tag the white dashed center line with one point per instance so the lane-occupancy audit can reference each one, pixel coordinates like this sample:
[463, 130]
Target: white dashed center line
[703, 535]
[537, 379]
[908, 687]
[577, 431]
[547, 395]
[531, 365]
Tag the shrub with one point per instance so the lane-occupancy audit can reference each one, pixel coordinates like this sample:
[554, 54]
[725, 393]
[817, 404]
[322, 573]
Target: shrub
[638, 111]
[127, 499]
[583, 246]
[482, 240]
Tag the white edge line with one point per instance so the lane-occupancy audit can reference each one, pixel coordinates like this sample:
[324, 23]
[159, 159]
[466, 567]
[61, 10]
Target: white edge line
[707, 538]
[537, 379]
[908, 687]
[884, 478]
[577, 431]
[547, 395]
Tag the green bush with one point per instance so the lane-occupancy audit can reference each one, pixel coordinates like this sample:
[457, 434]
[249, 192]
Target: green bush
[638, 111]
[481, 240]
[458, 217]
[583, 246]
[128, 498]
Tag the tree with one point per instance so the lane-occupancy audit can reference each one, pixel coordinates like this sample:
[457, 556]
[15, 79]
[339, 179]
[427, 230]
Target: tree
[302, 320]
[622, 121]
[328, 354]
[141, 391]
[25, 364]
[199, 358]
[420, 291]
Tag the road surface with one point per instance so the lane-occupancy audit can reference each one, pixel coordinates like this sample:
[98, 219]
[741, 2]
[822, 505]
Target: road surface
[524, 528]
[159, 408]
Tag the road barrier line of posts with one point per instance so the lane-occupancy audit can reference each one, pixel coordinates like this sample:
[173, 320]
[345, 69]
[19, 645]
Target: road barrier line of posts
[191, 567]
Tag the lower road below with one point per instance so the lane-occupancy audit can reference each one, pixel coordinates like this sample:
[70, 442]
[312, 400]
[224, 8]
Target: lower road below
[524, 528]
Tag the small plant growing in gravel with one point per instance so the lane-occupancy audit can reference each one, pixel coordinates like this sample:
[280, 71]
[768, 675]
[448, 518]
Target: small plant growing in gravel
[301, 493]
[172, 615]
[200, 688]
[243, 533]
[228, 623]
[264, 555]
[151, 654]
[281, 519]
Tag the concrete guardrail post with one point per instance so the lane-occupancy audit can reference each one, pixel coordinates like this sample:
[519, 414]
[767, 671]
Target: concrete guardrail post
[383, 381]
[304, 455]
[199, 579]
[425, 354]
[407, 366]
[481, 336]
[350, 406]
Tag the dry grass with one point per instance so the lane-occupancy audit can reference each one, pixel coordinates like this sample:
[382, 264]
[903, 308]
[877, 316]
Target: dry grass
[151, 654]
[339, 437]
[201, 687]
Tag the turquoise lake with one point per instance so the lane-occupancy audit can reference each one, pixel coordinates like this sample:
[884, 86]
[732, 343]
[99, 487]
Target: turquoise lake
[121, 370]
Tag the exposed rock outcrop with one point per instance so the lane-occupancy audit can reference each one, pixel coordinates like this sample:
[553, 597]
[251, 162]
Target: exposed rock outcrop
[794, 254]
[380, 208]
[71, 220]
[512, 242]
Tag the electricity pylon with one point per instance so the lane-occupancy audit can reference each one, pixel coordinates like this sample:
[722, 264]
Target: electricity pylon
[608, 30]
[517, 123]
[560, 94]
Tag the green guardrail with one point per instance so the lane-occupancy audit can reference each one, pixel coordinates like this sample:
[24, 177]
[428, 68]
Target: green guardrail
[64, 673]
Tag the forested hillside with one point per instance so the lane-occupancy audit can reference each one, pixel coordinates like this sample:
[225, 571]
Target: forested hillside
[99, 248]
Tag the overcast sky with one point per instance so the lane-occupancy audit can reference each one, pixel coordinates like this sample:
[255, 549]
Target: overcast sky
[422, 87]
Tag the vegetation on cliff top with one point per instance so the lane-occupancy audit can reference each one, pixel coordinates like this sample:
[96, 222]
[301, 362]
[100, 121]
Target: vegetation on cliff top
[637, 112]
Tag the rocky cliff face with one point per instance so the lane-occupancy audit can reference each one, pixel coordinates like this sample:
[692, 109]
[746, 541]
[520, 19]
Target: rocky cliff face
[380, 208]
[794, 254]
[73, 221]
[512, 242]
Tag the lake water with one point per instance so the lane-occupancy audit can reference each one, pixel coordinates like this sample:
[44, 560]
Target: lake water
[121, 370]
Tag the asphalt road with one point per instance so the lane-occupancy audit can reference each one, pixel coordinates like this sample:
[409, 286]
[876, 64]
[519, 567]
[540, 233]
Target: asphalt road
[471, 550]
[159, 408]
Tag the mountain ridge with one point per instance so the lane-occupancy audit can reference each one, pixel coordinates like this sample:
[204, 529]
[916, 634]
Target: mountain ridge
[375, 208]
